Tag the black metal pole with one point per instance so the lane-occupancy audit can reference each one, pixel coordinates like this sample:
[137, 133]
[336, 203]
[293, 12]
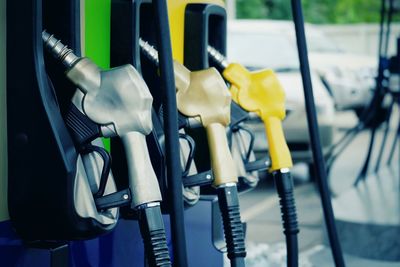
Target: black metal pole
[319, 160]
[174, 172]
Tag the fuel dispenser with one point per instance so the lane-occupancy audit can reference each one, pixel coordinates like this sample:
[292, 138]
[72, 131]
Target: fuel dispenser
[112, 103]
[51, 184]
[75, 196]
[46, 192]
[150, 72]
[260, 92]
[73, 191]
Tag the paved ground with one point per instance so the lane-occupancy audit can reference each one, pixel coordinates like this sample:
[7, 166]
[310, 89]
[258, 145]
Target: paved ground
[261, 211]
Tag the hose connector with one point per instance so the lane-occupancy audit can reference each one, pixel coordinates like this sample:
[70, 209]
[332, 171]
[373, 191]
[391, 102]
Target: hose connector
[284, 186]
[149, 50]
[59, 50]
[219, 58]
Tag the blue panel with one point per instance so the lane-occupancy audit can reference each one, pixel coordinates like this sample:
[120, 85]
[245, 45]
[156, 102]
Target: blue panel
[200, 247]
[123, 247]
[13, 253]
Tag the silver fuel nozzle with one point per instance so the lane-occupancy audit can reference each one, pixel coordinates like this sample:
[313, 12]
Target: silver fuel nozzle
[59, 50]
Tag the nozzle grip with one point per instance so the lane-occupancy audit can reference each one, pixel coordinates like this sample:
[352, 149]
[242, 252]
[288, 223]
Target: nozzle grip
[142, 179]
[233, 228]
[222, 164]
[154, 238]
[278, 148]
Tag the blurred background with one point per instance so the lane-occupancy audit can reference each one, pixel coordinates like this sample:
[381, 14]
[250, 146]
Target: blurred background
[352, 24]
[342, 38]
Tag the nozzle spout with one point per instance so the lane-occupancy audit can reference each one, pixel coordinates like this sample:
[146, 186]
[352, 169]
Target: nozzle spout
[59, 50]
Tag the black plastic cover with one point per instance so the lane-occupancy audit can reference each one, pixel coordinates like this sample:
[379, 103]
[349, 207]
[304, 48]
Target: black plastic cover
[41, 154]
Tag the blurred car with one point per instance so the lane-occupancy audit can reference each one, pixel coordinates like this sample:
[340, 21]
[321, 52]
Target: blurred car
[349, 77]
[263, 47]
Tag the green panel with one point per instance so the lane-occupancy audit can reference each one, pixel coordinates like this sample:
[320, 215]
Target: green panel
[3, 125]
[97, 35]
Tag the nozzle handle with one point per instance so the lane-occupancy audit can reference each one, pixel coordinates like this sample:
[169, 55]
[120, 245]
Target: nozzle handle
[154, 238]
[278, 148]
[233, 228]
[284, 186]
[222, 163]
[142, 179]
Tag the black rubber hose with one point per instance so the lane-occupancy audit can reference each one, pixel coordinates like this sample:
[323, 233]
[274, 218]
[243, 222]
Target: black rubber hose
[316, 146]
[396, 99]
[153, 233]
[381, 90]
[368, 113]
[339, 150]
[233, 228]
[385, 136]
[174, 168]
[395, 140]
[284, 187]
[387, 119]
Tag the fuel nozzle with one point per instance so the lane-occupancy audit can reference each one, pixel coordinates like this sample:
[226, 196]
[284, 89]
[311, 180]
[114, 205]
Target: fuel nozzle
[117, 102]
[260, 92]
[203, 95]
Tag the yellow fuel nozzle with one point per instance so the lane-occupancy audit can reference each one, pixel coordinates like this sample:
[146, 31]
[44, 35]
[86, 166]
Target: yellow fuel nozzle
[261, 92]
[203, 94]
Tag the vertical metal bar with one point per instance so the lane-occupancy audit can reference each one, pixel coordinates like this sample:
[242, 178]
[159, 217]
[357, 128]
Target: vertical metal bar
[319, 160]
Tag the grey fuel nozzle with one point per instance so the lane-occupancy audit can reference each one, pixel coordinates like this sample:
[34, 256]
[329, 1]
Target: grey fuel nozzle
[119, 102]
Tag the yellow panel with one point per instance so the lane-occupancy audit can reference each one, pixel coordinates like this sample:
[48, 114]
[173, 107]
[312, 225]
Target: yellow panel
[176, 14]
[3, 125]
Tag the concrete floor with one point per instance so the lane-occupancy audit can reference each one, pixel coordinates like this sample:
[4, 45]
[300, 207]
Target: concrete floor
[260, 208]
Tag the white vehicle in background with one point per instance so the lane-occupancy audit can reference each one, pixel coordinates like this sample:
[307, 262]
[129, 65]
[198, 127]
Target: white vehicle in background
[349, 77]
[264, 47]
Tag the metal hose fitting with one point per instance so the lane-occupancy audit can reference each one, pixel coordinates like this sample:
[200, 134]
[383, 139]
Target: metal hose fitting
[149, 50]
[215, 55]
[59, 50]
